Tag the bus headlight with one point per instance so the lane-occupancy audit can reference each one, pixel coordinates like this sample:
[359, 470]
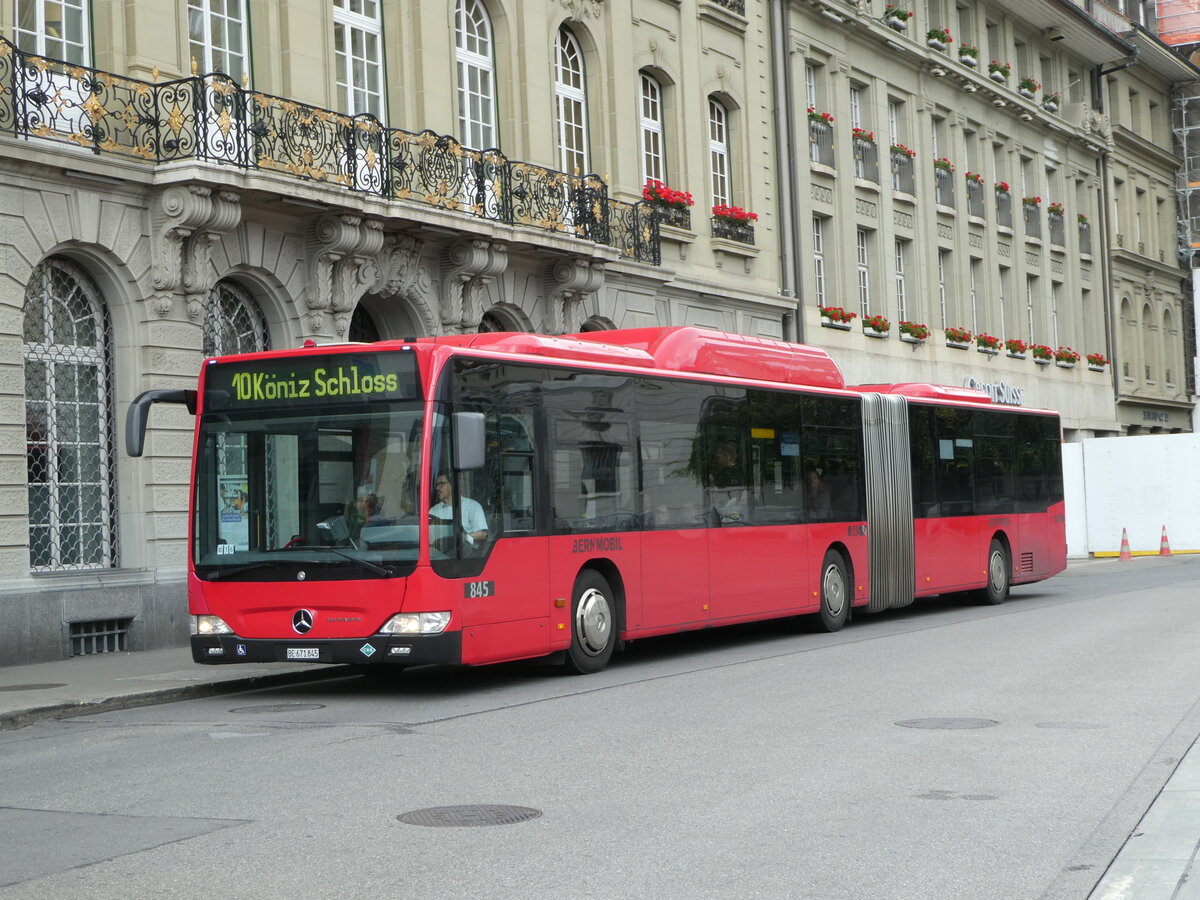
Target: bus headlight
[210, 625]
[416, 623]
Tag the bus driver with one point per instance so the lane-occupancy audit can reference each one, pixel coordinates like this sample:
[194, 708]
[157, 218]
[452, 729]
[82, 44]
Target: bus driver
[475, 528]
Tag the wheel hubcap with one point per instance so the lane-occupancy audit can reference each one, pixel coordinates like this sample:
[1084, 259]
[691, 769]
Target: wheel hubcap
[593, 622]
[833, 590]
[997, 573]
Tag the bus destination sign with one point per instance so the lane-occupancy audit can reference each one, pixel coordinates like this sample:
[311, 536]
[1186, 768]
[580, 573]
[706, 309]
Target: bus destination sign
[311, 380]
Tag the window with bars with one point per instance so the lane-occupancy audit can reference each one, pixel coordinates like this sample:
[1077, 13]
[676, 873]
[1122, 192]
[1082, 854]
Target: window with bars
[718, 151]
[476, 76]
[217, 36]
[233, 322]
[358, 56]
[68, 421]
[55, 28]
[570, 102]
[653, 164]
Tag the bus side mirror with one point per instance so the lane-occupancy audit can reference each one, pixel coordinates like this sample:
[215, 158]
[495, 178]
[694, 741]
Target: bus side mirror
[469, 440]
[139, 413]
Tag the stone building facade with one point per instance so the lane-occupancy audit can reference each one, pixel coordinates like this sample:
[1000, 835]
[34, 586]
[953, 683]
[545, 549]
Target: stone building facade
[274, 172]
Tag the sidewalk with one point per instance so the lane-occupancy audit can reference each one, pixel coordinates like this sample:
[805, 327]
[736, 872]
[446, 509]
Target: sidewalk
[1159, 860]
[106, 681]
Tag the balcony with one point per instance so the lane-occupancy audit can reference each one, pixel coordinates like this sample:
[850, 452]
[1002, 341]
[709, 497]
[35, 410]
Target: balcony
[820, 143]
[211, 119]
[904, 178]
[866, 160]
[1004, 209]
[943, 187]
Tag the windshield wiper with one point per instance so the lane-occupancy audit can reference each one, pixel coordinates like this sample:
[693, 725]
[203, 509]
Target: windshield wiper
[218, 573]
[385, 571]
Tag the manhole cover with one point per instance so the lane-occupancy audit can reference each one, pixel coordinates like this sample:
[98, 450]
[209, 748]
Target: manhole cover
[279, 708]
[468, 816]
[30, 687]
[1070, 726]
[947, 723]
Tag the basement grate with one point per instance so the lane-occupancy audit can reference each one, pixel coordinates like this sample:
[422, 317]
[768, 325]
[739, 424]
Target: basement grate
[100, 636]
[469, 816]
[947, 723]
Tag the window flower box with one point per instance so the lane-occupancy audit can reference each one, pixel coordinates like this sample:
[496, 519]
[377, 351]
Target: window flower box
[938, 38]
[837, 318]
[823, 117]
[1028, 87]
[968, 55]
[913, 332]
[958, 338]
[987, 343]
[998, 71]
[861, 134]
[901, 150]
[1097, 362]
[1055, 209]
[1051, 102]
[876, 326]
[1016, 348]
[1065, 357]
[1042, 355]
[897, 18]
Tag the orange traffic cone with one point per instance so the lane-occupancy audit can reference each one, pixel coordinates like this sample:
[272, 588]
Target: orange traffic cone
[1126, 553]
[1164, 549]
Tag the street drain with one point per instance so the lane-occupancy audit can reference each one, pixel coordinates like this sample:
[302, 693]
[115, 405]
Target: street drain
[30, 687]
[278, 708]
[469, 816]
[947, 723]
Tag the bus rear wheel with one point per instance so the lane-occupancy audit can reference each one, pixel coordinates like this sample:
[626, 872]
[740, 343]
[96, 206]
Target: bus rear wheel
[593, 625]
[998, 575]
[835, 592]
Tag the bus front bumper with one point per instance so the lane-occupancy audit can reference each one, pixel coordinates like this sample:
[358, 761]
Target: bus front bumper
[378, 649]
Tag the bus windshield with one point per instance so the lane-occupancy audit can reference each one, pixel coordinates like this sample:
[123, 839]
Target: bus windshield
[287, 488]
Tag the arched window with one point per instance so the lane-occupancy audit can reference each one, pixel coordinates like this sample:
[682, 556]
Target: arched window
[718, 151]
[362, 327]
[570, 105]
[654, 166]
[476, 76]
[233, 323]
[68, 421]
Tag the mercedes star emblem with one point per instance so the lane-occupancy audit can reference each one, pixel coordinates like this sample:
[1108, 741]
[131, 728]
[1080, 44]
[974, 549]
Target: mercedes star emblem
[302, 621]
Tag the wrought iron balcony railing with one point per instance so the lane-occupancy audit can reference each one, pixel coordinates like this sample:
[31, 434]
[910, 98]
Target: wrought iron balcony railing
[732, 230]
[1033, 220]
[943, 187]
[212, 119]
[820, 143]
[904, 179]
[976, 208]
[1085, 238]
[866, 160]
[1058, 229]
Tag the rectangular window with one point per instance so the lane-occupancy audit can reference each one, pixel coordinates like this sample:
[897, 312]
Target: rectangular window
[818, 226]
[653, 165]
[1055, 292]
[358, 56]
[1030, 319]
[901, 280]
[55, 28]
[973, 274]
[863, 254]
[943, 272]
[217, 37]
[1004, 286]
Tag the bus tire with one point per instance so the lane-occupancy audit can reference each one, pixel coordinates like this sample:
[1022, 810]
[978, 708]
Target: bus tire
[835, 592]
[999, 573]
[593, 625]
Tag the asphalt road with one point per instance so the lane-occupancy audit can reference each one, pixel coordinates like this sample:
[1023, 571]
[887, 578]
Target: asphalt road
[945, 751]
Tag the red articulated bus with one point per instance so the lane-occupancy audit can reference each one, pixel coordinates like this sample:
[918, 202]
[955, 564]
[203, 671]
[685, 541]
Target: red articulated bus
[479, 498]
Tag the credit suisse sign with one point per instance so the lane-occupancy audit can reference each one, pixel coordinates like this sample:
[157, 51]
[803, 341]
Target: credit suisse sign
[999, 391]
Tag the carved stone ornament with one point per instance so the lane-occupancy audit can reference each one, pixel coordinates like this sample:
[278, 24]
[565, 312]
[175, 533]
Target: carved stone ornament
[583, 9]
[342, 264]
[467, 267]
[567, 284]
[184, 223]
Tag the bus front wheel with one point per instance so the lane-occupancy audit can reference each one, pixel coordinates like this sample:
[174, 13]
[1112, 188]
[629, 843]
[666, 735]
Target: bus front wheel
[593, 625]
[835, 592]
[998, 573]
